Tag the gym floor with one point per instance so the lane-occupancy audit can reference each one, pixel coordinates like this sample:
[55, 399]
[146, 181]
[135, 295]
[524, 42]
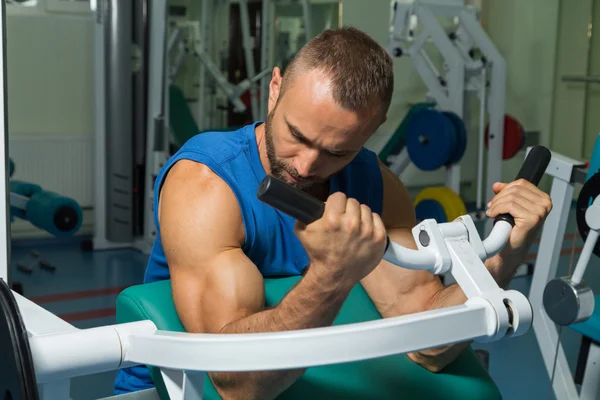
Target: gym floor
[83, 288]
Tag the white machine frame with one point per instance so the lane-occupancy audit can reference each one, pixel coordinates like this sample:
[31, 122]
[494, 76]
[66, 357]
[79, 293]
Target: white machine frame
[566, 173]
[61, 351]
[463, 75]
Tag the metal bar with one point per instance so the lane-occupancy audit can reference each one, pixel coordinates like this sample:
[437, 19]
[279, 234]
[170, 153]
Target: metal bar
[157, 114]
[249, 57]
[497, 98]
[61, 356]
[307, 19]
[480, 150]
[585, 255]
[174, 40]
[587, 79]
[100, 181]
[119, 123]
[18, 201]
[545, 269]
[4, 216]
[201, 43]
[311, 347]
[265, 43]
[39, 321]
[590, 388]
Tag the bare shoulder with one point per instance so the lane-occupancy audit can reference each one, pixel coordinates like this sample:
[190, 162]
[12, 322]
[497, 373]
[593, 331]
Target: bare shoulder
[202, 233]
[195, 202]
[398, 209]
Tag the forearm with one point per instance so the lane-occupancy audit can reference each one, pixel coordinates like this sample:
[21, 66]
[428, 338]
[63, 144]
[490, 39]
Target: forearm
[502, 270]
[312, 303]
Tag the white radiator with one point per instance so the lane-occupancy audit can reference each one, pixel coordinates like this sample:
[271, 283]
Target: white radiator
[59, 164]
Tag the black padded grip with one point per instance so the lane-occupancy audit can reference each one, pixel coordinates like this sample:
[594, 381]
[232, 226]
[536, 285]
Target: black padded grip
[290, 200]
[532, 170]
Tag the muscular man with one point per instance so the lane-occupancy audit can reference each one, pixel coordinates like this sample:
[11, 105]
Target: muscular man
[217, 241]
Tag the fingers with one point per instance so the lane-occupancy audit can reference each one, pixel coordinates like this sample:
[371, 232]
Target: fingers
[379, 232]
[352, 216]
[520, 207]
[366, 218]
[336, 204]
[522, 189]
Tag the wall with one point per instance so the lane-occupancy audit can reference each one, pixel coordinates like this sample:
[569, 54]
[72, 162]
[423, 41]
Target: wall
[50, 74]
[526, 35]
[575, 121]
[50, 103]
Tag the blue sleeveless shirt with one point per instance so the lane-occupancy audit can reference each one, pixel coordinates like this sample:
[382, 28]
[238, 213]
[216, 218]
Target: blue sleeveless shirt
[270, 242]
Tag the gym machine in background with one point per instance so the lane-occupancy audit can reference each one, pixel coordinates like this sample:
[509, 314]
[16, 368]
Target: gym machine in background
[122, 166]
[434, 133]
[140, 113]
[184, 41]
[569, 301]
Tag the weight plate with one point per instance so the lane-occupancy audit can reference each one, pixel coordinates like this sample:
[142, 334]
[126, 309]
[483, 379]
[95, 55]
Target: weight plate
[430, 139]
[428, 208]
[17, 380]
[513, 137]
[444, 197]
[457, 205]
[461, 137]
[398, 140]
[588, 193]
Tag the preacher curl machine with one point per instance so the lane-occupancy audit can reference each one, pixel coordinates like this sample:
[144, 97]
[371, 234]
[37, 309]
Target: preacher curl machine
[38, 349]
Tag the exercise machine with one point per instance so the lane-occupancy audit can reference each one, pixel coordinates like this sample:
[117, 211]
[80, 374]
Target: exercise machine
[472, 66]
[127, 154]
[576, 307]
[44, 351]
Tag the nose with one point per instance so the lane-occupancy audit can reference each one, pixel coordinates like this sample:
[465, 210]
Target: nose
[306, 162]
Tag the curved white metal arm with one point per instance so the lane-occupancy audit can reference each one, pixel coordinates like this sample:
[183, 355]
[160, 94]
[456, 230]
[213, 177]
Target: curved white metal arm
[497, 238]
[77, 352]
[309, 347]
[409, 258]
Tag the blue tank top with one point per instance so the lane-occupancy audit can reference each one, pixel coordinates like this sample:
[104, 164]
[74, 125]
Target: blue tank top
[270, 241]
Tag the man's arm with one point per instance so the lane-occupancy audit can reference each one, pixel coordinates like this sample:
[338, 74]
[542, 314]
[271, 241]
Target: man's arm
[398, 291]
[217, 289]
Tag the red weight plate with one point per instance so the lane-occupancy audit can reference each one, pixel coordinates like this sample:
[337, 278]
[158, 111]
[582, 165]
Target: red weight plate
[513, 137]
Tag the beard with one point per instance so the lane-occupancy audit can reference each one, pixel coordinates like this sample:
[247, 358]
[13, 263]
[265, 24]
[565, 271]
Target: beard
[280, 169]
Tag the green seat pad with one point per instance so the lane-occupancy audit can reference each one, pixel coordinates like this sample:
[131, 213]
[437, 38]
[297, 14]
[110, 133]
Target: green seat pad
[392, 377]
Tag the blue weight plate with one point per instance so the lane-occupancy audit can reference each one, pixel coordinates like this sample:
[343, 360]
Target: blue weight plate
[430, 139]
[461, 137]
[429, 208]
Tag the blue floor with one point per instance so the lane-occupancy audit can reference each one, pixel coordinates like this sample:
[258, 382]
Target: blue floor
[84, 286]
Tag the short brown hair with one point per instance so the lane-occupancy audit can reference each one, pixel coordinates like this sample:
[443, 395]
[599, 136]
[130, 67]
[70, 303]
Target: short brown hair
[360, 69]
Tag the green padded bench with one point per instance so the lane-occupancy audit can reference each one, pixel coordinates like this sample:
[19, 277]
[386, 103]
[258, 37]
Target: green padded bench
[392, 377]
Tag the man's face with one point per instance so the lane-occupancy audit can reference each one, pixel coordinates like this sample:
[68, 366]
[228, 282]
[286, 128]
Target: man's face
[308, 136]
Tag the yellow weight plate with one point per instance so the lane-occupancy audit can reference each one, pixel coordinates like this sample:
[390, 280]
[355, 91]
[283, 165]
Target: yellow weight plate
[452, 204]
[456, 204]
[438, 194]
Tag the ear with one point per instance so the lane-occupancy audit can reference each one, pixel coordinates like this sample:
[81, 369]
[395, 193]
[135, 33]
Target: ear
[274, 87]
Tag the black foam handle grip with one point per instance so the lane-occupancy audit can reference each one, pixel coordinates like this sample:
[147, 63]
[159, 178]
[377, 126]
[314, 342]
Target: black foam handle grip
[290, 200]
[532, 170]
